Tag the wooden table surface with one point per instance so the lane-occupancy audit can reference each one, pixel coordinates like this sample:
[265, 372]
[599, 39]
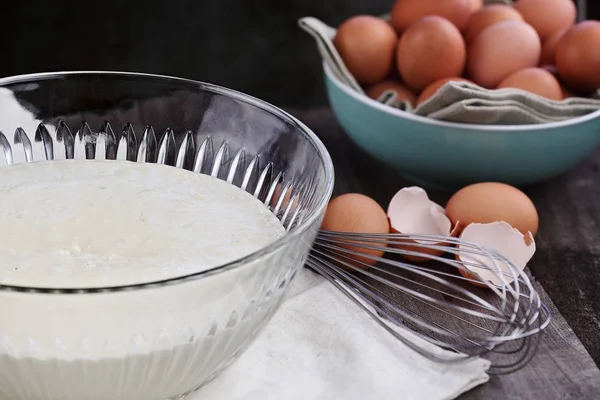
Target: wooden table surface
[566, 265]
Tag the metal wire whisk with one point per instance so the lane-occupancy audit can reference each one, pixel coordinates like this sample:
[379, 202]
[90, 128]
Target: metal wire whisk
[500, 322]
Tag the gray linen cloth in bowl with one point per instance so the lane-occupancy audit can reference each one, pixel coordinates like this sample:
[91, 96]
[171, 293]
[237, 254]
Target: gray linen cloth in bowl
[469, 103]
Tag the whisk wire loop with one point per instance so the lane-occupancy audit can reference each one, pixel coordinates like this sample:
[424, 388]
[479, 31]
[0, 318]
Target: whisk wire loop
[500, 318]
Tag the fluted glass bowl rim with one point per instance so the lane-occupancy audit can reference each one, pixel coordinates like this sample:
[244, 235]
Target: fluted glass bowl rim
[271, 248]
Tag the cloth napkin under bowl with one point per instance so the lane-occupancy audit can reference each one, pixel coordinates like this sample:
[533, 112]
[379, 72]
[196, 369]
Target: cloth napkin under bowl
[460, 102]
[320, 346]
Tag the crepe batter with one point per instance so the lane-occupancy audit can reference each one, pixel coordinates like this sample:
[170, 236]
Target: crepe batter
[93, 224]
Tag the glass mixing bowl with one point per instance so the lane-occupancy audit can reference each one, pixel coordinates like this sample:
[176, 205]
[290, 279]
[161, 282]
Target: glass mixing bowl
[159, 340]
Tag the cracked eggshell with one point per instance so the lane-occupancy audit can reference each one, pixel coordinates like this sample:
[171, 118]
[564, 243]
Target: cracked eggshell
[412, 212]
[504, 239]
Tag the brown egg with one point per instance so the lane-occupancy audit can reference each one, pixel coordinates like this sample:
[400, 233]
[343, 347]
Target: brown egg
[435, 86]
[407, 12]
[488, 16]
[431, 49]
[367, 45]
[534, 80]
[402, 92]
[578, 57]
[549, 46]
[356, 213]
[493, 202]
[547, 16]
[566, 92]
[550, 68]
[501, 50]
[476, 5]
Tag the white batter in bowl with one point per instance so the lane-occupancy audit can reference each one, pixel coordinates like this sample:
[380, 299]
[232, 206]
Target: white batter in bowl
[72, 225]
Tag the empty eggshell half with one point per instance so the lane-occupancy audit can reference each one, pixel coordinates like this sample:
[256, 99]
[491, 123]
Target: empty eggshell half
[411, 212]
[504, 239]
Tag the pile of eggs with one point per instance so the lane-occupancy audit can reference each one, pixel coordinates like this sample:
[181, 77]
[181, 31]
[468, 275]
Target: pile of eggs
[494, 215]
[532, 45]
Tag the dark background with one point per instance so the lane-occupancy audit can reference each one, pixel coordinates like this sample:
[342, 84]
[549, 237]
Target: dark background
[251, 45]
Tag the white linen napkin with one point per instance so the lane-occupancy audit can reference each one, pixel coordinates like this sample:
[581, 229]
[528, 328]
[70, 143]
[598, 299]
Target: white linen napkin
[320, 345]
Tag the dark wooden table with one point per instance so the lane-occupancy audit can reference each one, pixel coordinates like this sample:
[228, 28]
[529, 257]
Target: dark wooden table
[566, 267]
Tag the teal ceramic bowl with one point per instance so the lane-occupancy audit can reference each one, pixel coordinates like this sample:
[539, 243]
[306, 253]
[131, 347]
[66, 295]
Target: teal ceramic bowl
[444, 155]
